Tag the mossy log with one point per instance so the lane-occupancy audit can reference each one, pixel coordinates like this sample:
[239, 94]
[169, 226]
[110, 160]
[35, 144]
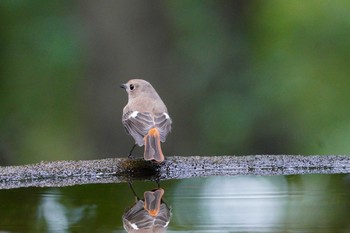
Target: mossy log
[115, 170]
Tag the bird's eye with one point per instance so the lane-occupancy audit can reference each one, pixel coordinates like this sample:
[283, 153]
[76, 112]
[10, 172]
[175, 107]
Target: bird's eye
[132, 87]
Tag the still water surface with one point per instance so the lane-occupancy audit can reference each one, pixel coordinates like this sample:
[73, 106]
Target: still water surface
[309, 203]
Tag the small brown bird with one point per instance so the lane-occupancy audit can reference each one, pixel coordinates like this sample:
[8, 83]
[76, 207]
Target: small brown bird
[150, 214]
[146, 118]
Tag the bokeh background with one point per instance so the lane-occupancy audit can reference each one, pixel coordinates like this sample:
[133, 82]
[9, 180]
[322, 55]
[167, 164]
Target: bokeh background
[238, 77]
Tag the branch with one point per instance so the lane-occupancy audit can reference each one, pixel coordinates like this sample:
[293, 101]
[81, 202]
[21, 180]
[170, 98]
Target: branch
[116, 170]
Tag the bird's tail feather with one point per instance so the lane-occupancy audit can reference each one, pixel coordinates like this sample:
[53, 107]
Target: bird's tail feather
[153, 151]
[153, 200]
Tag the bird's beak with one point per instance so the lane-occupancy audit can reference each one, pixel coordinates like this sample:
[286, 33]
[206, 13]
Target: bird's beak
[123, 86]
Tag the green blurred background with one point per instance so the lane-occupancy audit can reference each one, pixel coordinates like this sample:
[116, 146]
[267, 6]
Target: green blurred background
[238, 77]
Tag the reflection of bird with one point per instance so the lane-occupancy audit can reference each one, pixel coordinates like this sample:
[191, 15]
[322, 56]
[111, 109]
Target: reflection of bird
[148, 215]
[146, 118]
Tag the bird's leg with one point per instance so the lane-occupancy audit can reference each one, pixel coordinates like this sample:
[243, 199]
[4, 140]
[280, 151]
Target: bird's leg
[133, 191]
[130, 153]
[158, 183]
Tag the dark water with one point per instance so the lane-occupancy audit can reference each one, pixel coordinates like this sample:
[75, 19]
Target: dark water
[308, 203]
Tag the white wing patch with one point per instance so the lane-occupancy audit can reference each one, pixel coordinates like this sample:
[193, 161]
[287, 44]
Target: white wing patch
[134, 226]
[166, 224]
[134, 114]
[166, 115]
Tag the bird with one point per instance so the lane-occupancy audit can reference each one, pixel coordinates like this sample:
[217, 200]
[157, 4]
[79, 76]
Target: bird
[145, 117]
[149, 214]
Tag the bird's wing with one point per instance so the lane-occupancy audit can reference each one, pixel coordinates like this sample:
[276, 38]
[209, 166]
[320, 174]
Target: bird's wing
[137, 217]
[164, 216]
[163, 123]
[137, 124]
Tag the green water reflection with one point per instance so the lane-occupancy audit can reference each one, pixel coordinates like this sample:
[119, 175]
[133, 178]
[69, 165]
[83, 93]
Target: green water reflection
[310, 203]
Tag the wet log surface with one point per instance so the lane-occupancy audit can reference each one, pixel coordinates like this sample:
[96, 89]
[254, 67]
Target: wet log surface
[116, 170]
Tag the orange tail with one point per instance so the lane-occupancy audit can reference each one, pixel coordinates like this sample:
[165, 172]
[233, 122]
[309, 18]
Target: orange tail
[153, 151]
[153, 201]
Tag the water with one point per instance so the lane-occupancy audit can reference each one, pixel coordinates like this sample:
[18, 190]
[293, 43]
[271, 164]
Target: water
[308, 203]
